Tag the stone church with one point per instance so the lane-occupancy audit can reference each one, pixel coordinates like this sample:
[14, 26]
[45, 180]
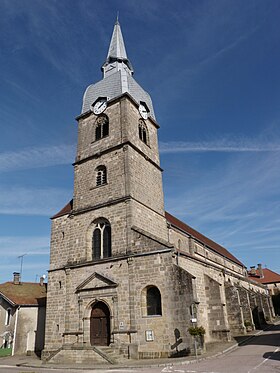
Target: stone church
[127, 278]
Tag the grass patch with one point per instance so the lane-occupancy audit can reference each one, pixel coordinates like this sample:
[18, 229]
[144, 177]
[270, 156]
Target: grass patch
[5, 352]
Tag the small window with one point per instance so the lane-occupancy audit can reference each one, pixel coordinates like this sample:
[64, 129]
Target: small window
[8, 317]
[101, 240]
[101, 175]
[143, 131]
[153, 301]
[101, 127]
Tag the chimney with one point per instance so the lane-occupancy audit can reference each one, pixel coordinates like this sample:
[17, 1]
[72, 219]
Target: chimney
[42, 278]
[253, 271]
[16, 278]
[260, 270]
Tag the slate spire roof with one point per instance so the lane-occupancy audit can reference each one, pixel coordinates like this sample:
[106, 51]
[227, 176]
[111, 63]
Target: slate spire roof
[117, 50]
[117, 77]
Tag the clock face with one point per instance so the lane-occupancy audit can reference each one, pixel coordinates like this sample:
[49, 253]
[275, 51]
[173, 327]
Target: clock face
[143, 111]
[100, 106]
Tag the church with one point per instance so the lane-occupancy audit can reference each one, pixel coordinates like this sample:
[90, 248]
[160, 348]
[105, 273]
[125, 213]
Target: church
[127, 279]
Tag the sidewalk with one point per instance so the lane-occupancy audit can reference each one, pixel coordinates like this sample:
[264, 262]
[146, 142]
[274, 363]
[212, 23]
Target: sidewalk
[213, 350]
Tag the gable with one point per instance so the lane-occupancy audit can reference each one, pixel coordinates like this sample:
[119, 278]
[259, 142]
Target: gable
[96, 281]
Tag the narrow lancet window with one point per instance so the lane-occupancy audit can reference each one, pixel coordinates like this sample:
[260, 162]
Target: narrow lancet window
[101, 240]
[143, 131]
[101, 127]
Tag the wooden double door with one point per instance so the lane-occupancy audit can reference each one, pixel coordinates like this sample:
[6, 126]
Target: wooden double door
[100, 325]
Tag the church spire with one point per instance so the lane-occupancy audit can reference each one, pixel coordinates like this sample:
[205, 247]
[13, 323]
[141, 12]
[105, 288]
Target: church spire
[116, 58]
[117, 77]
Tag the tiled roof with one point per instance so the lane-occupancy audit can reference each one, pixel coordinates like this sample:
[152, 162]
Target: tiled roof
[269, 277]
[201, 238]
[26, 293]
[66, 210]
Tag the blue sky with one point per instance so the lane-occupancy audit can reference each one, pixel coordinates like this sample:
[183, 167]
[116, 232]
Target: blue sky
[212, 69]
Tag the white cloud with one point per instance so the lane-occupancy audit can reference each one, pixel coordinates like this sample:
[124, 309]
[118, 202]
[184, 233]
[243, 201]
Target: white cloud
[235, 204]
[32, 201]
[222, 145]
[19, 245]
[36, 157]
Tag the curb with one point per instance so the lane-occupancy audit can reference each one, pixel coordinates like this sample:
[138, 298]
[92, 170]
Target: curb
[119, 367]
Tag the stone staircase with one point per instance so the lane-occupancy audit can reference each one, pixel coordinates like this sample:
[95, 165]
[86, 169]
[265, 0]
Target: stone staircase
[78, 354]
[111, 354]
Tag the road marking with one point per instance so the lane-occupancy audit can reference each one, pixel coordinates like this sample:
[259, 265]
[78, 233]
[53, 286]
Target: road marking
[166, 369]
[121, 370]
[264, 361]
[7, 366]
[171, 369]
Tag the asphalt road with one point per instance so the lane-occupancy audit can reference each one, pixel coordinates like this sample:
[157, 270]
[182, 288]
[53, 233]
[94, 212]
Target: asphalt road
[259, 355]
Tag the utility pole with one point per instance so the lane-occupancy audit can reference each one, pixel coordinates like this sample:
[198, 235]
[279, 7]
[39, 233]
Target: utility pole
[21, 263]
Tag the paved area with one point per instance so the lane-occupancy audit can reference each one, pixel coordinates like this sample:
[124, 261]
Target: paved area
[213, 350]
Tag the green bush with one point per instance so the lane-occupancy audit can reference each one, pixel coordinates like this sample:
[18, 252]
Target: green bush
[247, 323]
[196, 330]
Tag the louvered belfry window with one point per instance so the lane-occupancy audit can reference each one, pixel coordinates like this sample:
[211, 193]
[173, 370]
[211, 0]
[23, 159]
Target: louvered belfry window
[101, 175]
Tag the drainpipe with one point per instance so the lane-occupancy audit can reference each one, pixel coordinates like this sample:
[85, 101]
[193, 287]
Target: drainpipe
[15, 331]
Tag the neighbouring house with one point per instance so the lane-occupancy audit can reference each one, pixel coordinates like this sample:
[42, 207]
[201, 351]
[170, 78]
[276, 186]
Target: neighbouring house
[22, 315]
[266, 277]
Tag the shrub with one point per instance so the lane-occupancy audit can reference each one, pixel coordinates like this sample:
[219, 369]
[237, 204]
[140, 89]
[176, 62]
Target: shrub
[196, 330]
[247, 323]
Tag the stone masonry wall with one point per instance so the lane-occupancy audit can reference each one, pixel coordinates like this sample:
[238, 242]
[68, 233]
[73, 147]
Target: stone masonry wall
[176, 295]
[71, 241]
[234, 310]
[146, 181]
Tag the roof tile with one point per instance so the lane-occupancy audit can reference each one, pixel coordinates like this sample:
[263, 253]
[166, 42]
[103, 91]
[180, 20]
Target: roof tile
[269, 277]
[200, 237]
[25, 293]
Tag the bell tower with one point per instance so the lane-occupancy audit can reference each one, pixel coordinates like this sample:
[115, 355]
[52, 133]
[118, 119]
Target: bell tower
[117, 162]
[111, 264]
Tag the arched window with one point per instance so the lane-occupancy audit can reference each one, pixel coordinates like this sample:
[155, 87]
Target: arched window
[101, 239]
[101, 127]
[153, 301]
[143, 131]
[101, 175]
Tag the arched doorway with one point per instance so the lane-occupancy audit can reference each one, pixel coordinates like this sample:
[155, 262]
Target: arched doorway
[100, 325]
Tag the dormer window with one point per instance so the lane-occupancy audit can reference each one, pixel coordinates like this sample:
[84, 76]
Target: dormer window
[143, 131]
[101, 127]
